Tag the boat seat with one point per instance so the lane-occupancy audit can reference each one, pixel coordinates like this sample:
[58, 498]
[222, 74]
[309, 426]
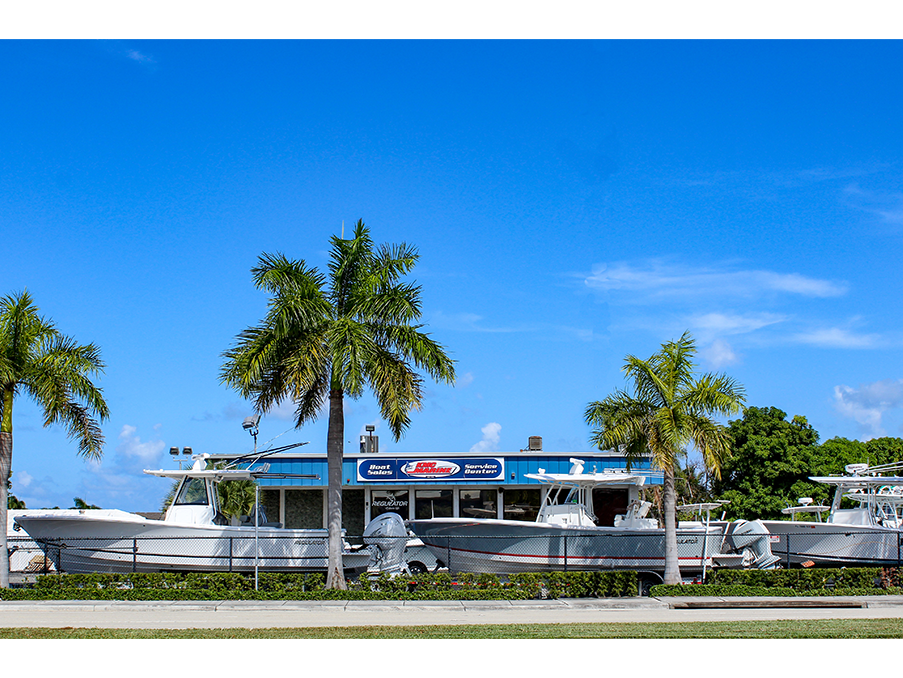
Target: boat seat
[264, 522]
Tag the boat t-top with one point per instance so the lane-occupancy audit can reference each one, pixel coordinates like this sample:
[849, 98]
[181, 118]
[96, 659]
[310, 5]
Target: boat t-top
[867, 533]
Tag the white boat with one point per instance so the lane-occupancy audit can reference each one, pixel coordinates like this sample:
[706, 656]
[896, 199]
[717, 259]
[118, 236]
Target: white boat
[566, 534]
[866, 534]
[193, 535]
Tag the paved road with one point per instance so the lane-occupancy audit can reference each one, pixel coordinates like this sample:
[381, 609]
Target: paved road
[280, 614]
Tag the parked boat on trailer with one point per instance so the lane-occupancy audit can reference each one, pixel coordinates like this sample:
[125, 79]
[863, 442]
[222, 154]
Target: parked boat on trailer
[192, 536]
[866, 534]
[566, 534]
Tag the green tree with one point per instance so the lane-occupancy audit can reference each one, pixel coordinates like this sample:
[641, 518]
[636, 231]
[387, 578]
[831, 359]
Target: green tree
[668, 411]
[834, 454]
[770, 465]
[12, 501]
[236, 497]
[330, 336]
[54, 370]
[82, 504]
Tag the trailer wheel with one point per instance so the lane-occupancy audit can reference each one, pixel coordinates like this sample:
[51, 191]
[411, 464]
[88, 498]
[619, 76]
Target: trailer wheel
[416, 567]
[645, 582]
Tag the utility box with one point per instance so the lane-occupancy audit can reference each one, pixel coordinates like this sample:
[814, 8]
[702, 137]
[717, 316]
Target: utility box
[534, 444]
[369, 444]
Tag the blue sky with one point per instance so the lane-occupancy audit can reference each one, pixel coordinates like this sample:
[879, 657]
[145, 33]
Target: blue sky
[572, 202]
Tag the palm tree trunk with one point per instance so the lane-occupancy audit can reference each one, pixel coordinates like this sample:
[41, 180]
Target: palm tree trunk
[6, 459]
[335, 438]
[672, 569]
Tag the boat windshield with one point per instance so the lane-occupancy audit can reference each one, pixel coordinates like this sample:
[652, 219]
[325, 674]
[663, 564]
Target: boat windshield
[194, 491]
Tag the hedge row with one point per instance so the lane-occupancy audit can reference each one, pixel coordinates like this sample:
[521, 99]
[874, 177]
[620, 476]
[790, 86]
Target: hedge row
[289, 586]
[858, 581]
[441, 586]
[808, 579]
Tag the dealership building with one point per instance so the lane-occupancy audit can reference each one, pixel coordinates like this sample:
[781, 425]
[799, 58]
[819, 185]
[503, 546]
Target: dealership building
[417, 485]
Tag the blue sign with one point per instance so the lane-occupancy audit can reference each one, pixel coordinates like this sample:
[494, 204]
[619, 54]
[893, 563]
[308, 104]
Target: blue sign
[407, 470]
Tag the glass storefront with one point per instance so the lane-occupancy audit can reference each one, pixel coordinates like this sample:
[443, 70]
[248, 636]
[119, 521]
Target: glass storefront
[306, 508]
[386, 501]
[478, 503]
[522, 504]
[433, 504]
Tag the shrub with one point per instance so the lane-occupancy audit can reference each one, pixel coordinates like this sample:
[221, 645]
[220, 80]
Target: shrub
[311, 586]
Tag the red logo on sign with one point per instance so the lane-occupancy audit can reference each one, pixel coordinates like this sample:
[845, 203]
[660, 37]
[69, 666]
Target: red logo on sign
[430, 469]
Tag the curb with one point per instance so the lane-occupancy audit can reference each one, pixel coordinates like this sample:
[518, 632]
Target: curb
[674, 603]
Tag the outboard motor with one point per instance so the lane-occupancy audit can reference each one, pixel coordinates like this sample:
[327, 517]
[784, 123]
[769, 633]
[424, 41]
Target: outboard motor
[752, 538]
[387, 536]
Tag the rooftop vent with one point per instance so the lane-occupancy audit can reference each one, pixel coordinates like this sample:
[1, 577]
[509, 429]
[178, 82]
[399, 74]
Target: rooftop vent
[534, 444]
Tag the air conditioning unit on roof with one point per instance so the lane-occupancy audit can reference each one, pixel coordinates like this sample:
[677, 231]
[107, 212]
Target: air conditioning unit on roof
[534, 444]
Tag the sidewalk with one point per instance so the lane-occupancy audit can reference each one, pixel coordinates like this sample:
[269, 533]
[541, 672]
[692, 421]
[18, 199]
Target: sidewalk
[292, 613]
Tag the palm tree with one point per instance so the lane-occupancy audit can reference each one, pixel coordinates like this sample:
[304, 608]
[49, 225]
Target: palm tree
[55, 371]
[237, 497]
[668, 411]
[328, 336]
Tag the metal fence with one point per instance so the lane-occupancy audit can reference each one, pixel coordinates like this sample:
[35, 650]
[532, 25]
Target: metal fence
[499, 554]
[838, 548]
[156, 554]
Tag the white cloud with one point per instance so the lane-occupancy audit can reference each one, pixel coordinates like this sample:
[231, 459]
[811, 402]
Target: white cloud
[464, 380]
[21, 479]
[464, 322]
[714, 324]
[490, 441]
[719, 354]
[135, 55]
[657, 280]
[867, 404]
[132, 447]
[837, 337]
[888, 207]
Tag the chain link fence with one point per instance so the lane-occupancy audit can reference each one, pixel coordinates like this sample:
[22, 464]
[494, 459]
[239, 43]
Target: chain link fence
[498, 554]
[838, 548]
[160, 554]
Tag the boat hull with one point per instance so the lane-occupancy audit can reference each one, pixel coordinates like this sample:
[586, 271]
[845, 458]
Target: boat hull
[132, 544]
[834, 545]
[507, 546]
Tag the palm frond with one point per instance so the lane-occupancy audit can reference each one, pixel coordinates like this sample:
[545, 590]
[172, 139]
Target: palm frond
[54, 370]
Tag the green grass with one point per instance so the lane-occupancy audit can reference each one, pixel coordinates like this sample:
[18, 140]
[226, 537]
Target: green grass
[828, 628]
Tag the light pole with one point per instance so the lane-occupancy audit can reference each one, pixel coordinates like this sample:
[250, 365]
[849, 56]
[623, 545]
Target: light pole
[250, 425]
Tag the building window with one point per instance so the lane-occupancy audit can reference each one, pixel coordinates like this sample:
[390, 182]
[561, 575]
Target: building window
[479, 503]
[353, 513]
[433, 504]
[522, 504]
[389, 501]
[304, 509]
